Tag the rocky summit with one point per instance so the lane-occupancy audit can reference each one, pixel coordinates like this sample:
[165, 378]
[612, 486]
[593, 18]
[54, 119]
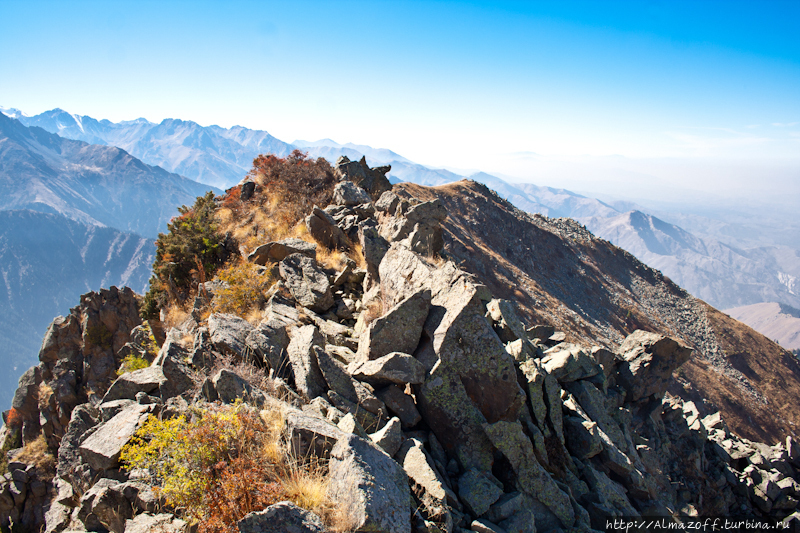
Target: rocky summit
[424, 392]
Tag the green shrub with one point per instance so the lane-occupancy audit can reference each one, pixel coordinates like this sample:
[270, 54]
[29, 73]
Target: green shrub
[191, 244]
[132, 362]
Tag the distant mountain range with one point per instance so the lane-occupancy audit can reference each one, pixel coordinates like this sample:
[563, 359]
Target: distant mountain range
[74, 217]
[727, 268]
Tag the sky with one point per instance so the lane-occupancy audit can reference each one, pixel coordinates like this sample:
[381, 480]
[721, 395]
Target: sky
[575, 93]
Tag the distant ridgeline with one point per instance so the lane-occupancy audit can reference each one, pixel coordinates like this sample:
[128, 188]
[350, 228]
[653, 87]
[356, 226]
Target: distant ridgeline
[404, 359]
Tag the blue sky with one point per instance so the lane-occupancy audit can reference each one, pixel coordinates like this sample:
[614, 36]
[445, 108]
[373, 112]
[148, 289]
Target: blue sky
[499, 86]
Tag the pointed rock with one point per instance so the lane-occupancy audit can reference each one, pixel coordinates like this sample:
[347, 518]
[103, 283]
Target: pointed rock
[307, 282]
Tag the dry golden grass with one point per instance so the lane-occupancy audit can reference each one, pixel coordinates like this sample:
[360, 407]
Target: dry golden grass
[334, 259]
[37, 453]
[45, 393]
[244, 294]
[176, 314]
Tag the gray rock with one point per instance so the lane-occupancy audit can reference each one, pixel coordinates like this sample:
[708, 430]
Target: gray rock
[57, 517]
[229, 333]
[612, 495]
[230, 387]
[531, 478]
[282, 517]
[274, 252]
[427, 484]
[506, 319]
[400, 404]
[83, 418]
[541, 332]
[373, 247]
[396, 367]
[478, 490]
[390, 437]
[349, 424]
[307, 375]
[370, 421]
[311, 436]
[399, 330]
[324, 230]
[373, 486]
[582, 437]
[534, 375]
[308, 284]
[348, 193]
[172, 360]
[649, 360]
[372, 180]
[127, 385]
[102, 448]
[162, 523]
[335, 374]
[569, 362]
[387, 203]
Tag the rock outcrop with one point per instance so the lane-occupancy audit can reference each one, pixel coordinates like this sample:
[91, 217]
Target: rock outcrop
[435, 406]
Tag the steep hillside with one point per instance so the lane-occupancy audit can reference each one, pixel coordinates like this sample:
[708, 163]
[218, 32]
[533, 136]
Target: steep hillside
[212, 155]
[562, 275]
[778, 322]
[347, 372]
[89, 183]
[47, 261]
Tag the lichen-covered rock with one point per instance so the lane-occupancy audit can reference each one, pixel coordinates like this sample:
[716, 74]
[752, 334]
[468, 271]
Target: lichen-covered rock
[399, 330]
[228, 333]
[508, 324]
[274, 252]
[307, 375]
[372, 180]
[308, 284]
[400, 404]
[349, 194]
[282, 517]
[531, 478]
[323, 229]
[427, 483]
[478, 490]
[127, 385]
[162, 523]
[373, 484]
[390, 437]
[649, 360]
[101, 449]
[396, 367]
[311, 436]
[569, 362]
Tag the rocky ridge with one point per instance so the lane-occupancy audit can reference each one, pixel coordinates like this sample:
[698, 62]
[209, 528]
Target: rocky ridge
[436, 404]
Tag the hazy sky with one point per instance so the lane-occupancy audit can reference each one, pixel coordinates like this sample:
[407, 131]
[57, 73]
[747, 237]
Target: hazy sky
[500, 86]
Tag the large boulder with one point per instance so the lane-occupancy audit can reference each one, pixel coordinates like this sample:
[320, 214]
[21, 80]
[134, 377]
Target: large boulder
[649, 361]
[282, 517]
[323, 229]
[427, 483]
[531, 477]
[307, 282]
[349, 194]
[307, 375]
[126, 386]
[569, 362]
[372, 485]
[311, 436]
[372, 180]
[229, 333]
[398, 330]
[276, 251]
[396, 367]
[102, 448]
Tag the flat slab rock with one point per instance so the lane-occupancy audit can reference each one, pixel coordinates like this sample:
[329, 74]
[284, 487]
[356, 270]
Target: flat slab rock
[162, 523]
[102, 448]
[282, 517]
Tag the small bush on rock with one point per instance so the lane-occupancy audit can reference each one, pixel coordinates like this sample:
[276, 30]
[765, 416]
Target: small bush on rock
[224, 463]
[245, 288]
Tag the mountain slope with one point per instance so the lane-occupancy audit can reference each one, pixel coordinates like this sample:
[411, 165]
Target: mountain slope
[212, 155]
[47, 261]
[561, 274]
[90, 183]
[775, 321]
